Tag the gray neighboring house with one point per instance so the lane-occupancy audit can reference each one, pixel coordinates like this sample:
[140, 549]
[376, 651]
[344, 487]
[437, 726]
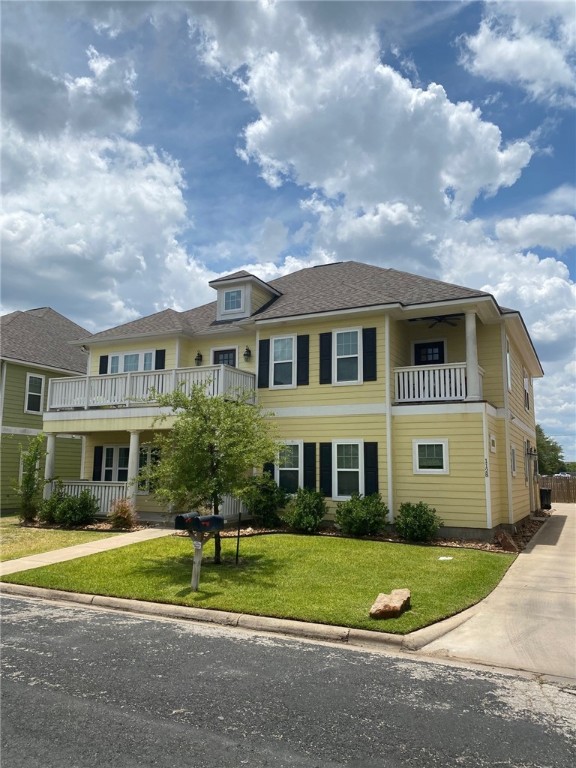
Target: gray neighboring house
[34, 348]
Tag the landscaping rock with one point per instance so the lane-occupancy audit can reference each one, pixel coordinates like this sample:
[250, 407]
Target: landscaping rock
[392, 605]
[506, 542]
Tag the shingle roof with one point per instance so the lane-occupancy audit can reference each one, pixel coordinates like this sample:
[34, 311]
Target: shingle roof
[329, 288]
[42, 337]
[168, 321]
[350, 285]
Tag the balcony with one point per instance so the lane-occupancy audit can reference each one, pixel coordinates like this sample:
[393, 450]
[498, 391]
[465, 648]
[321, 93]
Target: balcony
[432, 383]
[133, 389]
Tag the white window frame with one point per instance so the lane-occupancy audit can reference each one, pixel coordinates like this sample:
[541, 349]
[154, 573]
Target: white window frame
[235, 310]
[336, 357]
[141, 359]
[34, 394]
[526, 379]
[115, 463]
[443, 441]
[144, 485]
[336, 469]
[513, 460]
[292, 384]
[278, 469]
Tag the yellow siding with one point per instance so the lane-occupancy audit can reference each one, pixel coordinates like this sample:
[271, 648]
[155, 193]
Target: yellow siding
[326, 429]
[497, 467]
[459, 497]
[454, 338]
[327, 394]
[516, 394]
[136, 345]
[207, 344]
[520, 489]
[259, 297]
[490, 356]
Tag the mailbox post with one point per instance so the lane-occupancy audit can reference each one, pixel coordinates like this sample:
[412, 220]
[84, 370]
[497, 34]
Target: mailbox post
[200, 528]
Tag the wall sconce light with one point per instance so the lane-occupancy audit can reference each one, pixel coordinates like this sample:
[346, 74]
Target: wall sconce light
[198, 358]
[247, 354]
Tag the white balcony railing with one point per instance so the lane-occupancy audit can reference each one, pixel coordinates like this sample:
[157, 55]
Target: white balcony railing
[107, 493]
[431, 383]
[135, 388]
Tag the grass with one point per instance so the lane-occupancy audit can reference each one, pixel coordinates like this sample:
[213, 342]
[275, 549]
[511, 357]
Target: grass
[21, 541]
[321, 579]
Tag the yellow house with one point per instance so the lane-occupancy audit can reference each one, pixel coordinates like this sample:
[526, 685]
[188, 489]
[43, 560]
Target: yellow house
[378, 381]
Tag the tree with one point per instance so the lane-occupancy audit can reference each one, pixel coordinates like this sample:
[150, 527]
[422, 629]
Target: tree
[550, 458]
[31, 483]
[209, 451]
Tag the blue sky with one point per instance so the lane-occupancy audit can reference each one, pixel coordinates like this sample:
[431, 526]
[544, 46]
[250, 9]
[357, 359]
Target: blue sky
[151, 147]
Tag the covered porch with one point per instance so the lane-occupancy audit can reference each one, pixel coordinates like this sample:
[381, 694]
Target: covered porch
[443, 354]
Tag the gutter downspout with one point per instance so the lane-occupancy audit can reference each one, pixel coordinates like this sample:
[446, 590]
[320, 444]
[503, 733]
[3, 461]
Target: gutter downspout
[387, 371]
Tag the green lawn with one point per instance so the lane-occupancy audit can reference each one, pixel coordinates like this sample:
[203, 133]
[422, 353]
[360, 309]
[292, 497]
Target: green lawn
[21, 541]
[313, 578]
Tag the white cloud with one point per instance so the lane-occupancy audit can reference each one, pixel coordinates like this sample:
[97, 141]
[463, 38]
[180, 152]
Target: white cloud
[94, 222]
[530, 44]
[555, 232]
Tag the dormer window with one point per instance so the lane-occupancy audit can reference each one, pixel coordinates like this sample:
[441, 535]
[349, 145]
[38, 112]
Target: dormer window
[233, 300]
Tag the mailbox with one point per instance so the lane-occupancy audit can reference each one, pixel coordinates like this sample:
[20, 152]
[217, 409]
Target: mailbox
[199, 523]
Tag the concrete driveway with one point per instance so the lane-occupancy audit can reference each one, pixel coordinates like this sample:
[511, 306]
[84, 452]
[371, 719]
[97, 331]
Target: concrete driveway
[529, 621]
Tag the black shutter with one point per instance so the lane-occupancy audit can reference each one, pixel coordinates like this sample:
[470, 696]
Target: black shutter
[302, 360]
[370, 468]
[97, 468]
[160, 359]
[326, 358]
[326, 469]
[269, 467]
[369, 354]
[310, 466]
[264, 364]
[103, 364]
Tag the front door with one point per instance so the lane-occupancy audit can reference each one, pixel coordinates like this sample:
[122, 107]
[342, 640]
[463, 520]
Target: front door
[225, 357]
[429, 353]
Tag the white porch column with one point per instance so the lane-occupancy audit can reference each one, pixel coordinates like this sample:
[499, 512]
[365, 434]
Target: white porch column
[472, 371]
[133, 465]
[49, 466]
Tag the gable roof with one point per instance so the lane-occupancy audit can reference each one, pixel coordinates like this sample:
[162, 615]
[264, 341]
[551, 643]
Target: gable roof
[328, 288]
[42, 337]
[168, 321]
[353, 285]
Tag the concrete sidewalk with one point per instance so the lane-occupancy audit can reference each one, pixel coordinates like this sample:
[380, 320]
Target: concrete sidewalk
[527, 623]
[81, 550]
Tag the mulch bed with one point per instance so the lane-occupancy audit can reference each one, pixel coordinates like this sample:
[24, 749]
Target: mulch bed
[520, 537]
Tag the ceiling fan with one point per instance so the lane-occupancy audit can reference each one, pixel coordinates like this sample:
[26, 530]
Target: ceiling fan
[447, 320]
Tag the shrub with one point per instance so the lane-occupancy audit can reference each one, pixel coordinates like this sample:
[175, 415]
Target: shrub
[122, 514]
[48, 507]
[263, 499]
[76, 510]
[417, 522]
[361, 515]
[31, 484]
[305, 511]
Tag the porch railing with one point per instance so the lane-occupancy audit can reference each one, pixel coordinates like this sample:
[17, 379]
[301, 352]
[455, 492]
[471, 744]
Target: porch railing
[106, 493]
[432, 383]
[134, 388]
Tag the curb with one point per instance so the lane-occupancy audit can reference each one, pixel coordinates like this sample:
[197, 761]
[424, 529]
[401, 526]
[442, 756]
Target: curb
[326, 632]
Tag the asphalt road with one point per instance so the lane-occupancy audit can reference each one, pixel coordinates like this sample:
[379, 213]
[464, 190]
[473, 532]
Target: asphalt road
[85, 688]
